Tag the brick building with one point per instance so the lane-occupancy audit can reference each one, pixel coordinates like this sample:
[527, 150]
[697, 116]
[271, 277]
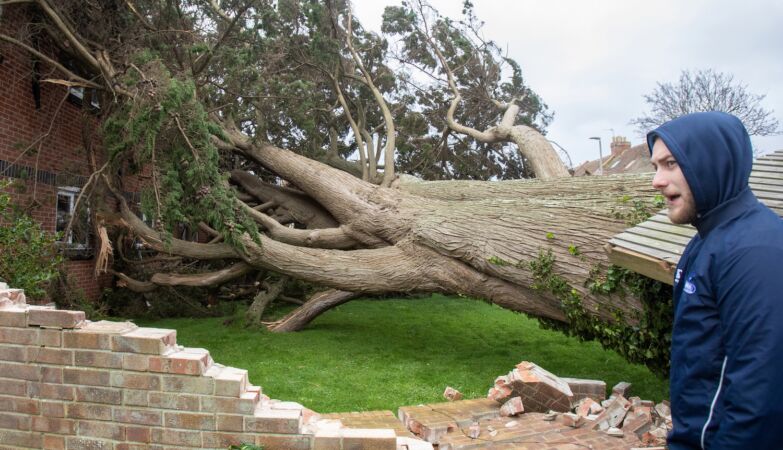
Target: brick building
[45, 129]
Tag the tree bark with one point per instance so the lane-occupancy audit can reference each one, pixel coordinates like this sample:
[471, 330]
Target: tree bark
[256, 309]
[314, 307]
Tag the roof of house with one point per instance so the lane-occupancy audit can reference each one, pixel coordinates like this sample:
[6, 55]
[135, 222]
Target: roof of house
[654, 247]
[633, 160]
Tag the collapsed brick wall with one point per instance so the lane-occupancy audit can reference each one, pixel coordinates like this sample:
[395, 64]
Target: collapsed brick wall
[68, 383]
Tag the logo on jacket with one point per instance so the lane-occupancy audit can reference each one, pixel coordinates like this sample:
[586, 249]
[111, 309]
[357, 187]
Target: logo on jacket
[689, 287]
[677, 276]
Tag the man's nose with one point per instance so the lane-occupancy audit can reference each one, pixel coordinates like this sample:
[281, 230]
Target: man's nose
[659, 180]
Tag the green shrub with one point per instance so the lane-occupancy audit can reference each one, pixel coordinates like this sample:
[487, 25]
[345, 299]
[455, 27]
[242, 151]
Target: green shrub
[30, 259]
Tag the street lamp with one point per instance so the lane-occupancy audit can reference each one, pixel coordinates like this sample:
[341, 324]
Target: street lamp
[600, 155]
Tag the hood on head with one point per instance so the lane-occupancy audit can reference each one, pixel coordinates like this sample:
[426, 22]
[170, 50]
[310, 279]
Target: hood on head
[713, 150]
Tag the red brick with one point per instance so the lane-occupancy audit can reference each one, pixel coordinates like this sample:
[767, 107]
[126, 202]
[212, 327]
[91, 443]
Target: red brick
[98, 395]
[13, 387]
[183, 363]
[145, 340]
[274, 421]
[133, 397]
[135, 380]
[54, 318]
[28, 439]
[13, 353]
[19, 422]
[230, 422]
[54, 425]
[105, 430]
[86, 376]
[19, 405]
[46, 355]
[52, 409]
[138, 363]
[190, 421]
[53, 442]
[224, 440]
[138, 416]
[86, 339]
[137, 434]
[229, 381]
[91, 358]
[300, 442]
[85, 444]
[20, 371]
[88, 411]
[244, 405]
[182, 402]
[193, 385]
[13, 317]
[50, 391]
[52, 374]
[50, 338]
[175, 437]
[20, 336]
[382, 439]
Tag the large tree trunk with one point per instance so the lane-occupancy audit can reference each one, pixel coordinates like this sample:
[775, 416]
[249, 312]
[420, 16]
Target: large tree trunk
[469, 238]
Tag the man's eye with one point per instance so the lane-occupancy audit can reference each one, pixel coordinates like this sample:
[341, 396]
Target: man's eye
[671, 164]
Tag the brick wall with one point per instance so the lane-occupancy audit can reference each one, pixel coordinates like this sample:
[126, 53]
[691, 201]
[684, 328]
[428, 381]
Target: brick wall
[68, 383]
[58, 128]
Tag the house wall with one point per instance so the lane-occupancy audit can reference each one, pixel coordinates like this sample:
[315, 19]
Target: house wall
[43, 148]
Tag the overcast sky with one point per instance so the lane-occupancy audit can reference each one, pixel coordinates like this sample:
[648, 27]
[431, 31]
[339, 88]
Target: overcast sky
[592, 61]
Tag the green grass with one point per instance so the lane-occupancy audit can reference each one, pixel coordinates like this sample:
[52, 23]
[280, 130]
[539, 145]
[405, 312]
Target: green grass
[382, 354]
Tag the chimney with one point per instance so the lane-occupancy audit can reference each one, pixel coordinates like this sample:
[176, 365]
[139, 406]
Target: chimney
[619, 145]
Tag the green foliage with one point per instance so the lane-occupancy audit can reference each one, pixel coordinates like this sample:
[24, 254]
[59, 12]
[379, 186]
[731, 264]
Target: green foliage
[636, 210]
[30, 259]
[498, 261]
[244, 446]
[168, 124]
[647, 342]
[431, 342]
[550, 235]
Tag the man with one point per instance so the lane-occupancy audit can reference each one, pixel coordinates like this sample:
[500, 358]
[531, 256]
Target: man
[727, 343]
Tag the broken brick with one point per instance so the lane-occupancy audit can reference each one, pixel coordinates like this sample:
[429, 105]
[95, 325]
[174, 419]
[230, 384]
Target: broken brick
[539, 389]
[452, 394]
[587, 406]
[621, 389]
[613, 414]
[571, 420]
[512, 407]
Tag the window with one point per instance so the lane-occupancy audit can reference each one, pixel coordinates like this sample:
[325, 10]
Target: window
[77, 95]
[79, 236]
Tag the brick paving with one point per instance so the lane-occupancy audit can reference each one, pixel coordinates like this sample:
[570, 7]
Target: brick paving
[371, 419]
[448, 425]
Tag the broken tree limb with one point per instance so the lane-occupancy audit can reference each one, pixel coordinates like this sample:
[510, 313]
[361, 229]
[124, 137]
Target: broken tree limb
[315, 306]
[262, 300]
[202, 279]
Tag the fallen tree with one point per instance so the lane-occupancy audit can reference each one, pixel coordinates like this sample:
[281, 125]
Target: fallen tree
[245, 116]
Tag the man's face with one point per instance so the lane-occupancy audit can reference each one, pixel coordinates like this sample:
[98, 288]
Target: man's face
[670, 181]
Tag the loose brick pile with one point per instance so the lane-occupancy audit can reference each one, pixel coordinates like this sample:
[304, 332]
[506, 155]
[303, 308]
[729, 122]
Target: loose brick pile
[68, 383]
[531, 408]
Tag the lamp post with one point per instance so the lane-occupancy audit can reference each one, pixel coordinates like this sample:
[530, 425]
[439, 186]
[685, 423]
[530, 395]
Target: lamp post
[600, 155]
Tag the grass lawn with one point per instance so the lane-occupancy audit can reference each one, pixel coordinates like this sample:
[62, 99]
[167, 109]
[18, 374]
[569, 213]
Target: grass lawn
[382, 354]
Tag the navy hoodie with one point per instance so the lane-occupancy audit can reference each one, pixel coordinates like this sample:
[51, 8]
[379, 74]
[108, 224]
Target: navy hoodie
[727, 342]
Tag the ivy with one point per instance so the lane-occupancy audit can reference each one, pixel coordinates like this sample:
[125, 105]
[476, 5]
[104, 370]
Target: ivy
[647, 342]
[636, 210]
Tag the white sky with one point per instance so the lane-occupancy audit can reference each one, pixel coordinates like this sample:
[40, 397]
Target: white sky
[592, 61]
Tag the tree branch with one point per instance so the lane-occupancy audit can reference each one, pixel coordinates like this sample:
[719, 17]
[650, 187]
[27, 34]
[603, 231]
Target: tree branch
[388, 170]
